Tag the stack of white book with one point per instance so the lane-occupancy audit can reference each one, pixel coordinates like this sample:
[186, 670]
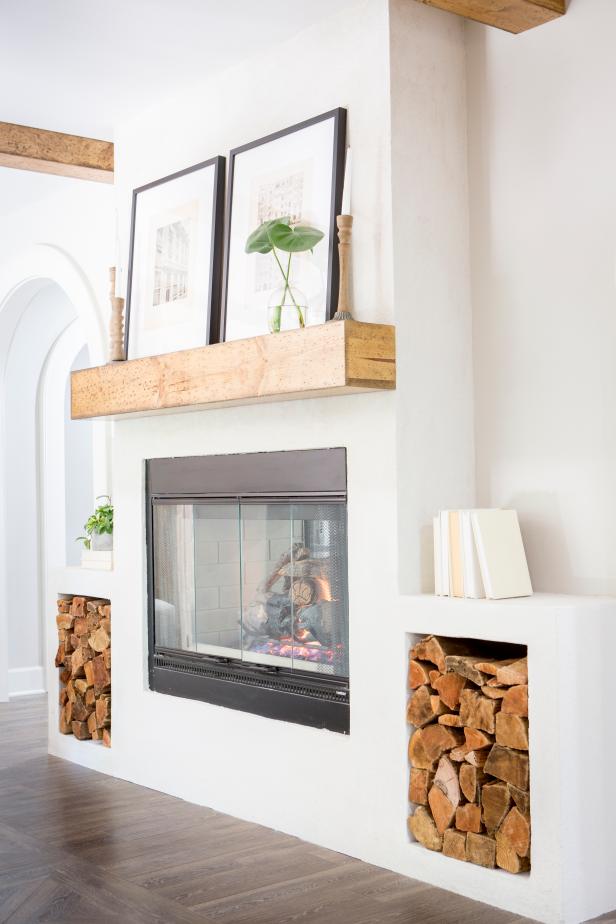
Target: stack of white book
[480, 553]
[98, 561]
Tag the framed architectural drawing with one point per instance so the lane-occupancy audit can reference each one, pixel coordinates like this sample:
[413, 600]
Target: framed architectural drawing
[295, 174]
[174, 270]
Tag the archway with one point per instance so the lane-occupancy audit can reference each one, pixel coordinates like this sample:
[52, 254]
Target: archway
[49, 324]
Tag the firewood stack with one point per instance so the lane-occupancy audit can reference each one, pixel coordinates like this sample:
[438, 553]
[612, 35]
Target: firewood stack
[84, 659]
[469, 754]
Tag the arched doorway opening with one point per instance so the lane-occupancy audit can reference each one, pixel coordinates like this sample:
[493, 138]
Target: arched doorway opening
[51, 468]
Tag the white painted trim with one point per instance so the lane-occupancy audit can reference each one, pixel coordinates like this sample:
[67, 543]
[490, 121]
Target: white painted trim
[25, 681]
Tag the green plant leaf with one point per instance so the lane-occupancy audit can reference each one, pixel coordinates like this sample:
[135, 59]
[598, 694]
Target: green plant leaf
[294, 240]
[259, 241]
[101, 520]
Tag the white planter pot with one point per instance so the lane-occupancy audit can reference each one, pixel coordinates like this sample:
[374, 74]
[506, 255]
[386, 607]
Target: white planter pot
[102, 542]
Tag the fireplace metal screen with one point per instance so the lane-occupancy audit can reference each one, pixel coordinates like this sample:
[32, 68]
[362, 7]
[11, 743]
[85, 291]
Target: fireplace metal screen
[248, 582]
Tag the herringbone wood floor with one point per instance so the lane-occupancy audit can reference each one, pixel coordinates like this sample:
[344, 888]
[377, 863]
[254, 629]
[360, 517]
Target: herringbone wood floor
[79, 846]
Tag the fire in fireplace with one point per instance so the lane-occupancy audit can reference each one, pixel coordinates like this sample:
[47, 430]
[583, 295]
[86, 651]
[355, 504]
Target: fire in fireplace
[247, 576]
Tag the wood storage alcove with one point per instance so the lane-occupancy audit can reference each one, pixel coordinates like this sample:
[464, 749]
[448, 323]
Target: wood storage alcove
[84, 661]
[469, 785]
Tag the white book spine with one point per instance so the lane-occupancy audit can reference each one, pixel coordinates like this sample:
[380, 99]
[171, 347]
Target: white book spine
[438, 578]
[445, 577]
[473, 584]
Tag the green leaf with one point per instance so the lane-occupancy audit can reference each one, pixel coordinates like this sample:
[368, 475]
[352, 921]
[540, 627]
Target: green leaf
[294, 240]
[101, 521]
[259, 241]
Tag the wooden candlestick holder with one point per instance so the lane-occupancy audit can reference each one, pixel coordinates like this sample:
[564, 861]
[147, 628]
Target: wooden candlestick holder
[345, 230]
[116, 327]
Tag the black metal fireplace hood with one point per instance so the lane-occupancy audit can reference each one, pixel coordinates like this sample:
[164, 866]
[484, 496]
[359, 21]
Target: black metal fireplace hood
[247, 583]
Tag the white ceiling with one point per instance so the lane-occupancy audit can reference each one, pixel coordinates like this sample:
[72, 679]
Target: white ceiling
[82, 66]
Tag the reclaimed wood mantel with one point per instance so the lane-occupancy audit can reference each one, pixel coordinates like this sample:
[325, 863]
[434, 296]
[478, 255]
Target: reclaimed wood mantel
[337, 358]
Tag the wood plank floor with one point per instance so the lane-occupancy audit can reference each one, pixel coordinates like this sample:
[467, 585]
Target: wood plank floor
[79, 846]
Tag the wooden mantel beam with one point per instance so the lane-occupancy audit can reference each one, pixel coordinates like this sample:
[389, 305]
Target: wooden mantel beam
[54, 152]
[510, 15]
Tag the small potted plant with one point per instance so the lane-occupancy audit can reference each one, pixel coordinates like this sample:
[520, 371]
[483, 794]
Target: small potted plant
[287, 305]
[99, 527]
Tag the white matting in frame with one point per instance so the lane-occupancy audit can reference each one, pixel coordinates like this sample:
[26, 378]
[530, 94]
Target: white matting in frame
[295, 174]
[174, 276]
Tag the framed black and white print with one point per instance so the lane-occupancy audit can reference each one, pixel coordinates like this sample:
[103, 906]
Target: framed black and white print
[295, 174]
[174, 270]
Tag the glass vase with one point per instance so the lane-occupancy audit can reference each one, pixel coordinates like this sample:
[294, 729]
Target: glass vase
[287, 309]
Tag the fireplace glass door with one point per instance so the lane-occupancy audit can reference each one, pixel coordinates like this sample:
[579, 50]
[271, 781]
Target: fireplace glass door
[260, 581]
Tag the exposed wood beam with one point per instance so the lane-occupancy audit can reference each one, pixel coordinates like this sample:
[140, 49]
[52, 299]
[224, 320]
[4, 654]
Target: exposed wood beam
[54, 152]
[510, 15]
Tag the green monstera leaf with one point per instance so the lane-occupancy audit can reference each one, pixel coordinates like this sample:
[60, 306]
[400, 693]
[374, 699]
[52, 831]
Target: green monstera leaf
[259, 241]
[294, 240]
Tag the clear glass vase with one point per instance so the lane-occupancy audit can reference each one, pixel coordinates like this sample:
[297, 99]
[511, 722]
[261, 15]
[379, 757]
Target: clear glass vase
[287, 309]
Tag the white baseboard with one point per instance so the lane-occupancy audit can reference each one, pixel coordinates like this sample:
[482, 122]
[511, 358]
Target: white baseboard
[24, 681]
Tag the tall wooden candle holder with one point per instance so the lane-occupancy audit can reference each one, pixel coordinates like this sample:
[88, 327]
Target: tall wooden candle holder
[345, 229]
[116, 327]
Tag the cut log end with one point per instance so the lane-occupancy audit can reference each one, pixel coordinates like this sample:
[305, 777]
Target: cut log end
[454, 844]
[423, 829]
[481, 850]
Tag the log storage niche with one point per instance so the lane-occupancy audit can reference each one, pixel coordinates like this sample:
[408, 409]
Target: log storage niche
[469, 783]
[84, 661]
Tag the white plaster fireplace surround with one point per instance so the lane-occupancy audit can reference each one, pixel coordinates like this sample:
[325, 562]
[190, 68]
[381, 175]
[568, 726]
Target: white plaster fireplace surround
[202, 752]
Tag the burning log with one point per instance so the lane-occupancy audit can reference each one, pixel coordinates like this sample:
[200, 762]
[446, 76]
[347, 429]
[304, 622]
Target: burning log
[84, 659]
[318, 619]
[468, 751]
[303, 592]
[293, 613]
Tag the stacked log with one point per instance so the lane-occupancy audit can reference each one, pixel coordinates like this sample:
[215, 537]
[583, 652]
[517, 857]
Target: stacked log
[84, 661]
[469, 776]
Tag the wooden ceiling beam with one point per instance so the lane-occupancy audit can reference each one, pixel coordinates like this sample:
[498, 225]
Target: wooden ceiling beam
[510, 15]
[37, 149]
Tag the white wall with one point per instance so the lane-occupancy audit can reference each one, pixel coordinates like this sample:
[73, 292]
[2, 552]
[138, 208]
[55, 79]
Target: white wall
[75, 217]
[431, 279]
[543, 201]
[346, 58]
[48, 313]
[78, 481]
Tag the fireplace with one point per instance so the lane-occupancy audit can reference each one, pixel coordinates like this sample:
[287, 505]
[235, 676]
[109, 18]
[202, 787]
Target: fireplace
[247, 583]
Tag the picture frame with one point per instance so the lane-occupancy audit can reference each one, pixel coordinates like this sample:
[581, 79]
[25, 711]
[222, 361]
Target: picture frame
[175, 261]
[297, 172]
